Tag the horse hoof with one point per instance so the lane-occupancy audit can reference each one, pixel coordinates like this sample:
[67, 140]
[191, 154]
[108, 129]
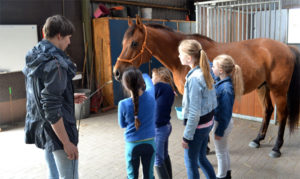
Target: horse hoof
[253, 144]
[274, 154]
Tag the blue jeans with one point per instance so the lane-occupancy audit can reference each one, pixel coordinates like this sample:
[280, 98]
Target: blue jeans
[52, 169]
[161, 141]
[195, 155]
[60, 165]
[140, 151]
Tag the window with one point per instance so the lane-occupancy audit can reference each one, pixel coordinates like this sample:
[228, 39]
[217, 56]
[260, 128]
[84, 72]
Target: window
[294, 26]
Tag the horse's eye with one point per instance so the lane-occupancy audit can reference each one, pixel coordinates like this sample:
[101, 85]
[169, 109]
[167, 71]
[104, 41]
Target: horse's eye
[134, 44]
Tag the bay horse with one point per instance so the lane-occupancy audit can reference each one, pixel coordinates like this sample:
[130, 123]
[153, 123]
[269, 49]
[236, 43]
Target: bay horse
[270, 67]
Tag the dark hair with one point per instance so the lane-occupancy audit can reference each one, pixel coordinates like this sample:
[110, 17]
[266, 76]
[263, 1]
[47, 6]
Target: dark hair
[132, 80]
[58, 24]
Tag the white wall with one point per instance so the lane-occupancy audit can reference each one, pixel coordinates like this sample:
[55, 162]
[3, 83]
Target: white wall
[15, 42]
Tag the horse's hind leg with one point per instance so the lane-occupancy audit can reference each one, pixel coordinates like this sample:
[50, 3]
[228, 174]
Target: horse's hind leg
[265, 99]
[281, 103]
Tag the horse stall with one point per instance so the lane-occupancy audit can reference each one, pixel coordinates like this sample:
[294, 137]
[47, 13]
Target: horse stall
[237, 20]
[107, 38]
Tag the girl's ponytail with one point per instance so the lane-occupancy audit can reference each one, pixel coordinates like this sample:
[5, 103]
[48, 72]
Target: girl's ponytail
[133, 81]
[204, 65]
[227, 64]
[135, 99]
[238, 83]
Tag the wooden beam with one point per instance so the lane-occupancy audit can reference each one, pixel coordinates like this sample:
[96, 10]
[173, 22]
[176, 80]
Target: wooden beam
[141, 4]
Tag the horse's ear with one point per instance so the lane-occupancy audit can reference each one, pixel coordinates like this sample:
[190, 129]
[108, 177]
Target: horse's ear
[129, 22]
[139, 22]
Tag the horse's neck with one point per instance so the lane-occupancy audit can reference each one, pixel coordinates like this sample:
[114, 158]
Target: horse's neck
[209, 46]
[164, 46]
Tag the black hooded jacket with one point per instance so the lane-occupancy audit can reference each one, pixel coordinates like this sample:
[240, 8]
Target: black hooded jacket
[50, 95]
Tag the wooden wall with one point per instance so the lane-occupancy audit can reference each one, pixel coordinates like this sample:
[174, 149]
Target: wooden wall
[12, 105]
[103, 63]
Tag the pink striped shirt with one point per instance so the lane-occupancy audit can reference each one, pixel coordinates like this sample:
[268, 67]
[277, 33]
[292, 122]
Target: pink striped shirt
[211, 122]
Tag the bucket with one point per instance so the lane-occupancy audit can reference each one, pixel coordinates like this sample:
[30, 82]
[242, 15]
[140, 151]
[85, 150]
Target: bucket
[146, 13]
[179, 113]
[82, 110]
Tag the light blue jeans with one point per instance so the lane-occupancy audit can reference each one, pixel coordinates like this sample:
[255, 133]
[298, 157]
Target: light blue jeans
[60, 165]
[161, 141]
[195, 155]
[52, 169]
[222, 150]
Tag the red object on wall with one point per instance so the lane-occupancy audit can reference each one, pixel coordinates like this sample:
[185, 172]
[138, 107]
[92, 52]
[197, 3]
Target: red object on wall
[96, 102]
[101, 11]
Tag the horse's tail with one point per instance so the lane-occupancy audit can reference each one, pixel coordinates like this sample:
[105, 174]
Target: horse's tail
[293, 96]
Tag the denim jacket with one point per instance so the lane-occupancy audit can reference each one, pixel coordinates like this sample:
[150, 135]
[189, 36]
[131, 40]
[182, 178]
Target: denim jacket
[197, 101]
[225, 96]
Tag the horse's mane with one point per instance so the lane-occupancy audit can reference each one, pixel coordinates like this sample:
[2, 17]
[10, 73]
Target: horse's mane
[130, 31]
[201, 37]
[159, 26]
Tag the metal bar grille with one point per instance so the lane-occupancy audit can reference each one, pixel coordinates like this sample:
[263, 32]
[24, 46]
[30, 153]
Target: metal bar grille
[235, 20]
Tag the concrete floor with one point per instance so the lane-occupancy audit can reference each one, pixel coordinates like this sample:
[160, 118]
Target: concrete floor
[101, 151]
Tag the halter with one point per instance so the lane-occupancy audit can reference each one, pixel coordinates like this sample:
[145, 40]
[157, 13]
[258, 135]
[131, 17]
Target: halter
[144, 47]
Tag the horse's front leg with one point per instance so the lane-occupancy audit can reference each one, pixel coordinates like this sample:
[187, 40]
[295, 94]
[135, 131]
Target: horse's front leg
[265, 99]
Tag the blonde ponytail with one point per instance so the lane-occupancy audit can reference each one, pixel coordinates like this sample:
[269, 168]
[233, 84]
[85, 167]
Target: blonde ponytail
[227, 64]
[238, 82]
[204, 65]
[194, 49]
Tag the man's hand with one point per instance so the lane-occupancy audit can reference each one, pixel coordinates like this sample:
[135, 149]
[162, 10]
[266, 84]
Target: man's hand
[79, 98]
[71, 151]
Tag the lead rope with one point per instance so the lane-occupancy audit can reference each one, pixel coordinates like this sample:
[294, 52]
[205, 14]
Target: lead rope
[80, 115]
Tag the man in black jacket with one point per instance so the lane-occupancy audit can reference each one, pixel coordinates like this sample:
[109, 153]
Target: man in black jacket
[50, 122]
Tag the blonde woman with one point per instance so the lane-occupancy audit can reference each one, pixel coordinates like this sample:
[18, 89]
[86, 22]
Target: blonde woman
[199, 102]
[228, 87]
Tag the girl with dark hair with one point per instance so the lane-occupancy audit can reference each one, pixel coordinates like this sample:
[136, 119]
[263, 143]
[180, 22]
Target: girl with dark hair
[136, 114]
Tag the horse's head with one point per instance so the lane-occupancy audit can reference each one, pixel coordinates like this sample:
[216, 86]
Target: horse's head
[135, 51]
